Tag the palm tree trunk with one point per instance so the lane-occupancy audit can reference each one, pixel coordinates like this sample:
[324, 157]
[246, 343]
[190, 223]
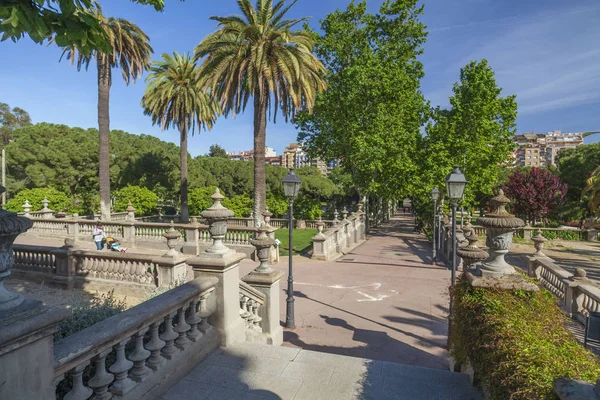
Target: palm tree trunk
[104, 82]
[260, 137]
[184, 173]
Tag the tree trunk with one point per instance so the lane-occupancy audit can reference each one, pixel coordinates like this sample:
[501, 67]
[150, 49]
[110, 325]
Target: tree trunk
[104, 82]
[184, 173]
[260, 137]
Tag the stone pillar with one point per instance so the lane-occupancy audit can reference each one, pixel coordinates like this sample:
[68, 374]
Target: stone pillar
[129, 233]
[130, 212]
[73, 228]
[65, 264]
[223, 263]
[26, 327]
[266, 280]
[46, 212]
[171, 266]
[336, 221]
[591, 235]
[319, 243]
[26, 209]
[192, 237]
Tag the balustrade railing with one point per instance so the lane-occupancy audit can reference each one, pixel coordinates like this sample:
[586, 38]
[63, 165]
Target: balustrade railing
[143, 345]
[34, 258]
[123, 267]
[339, 238]
[52, 228]
[250, 302]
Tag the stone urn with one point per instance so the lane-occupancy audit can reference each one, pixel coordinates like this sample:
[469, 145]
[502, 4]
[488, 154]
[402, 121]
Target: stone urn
[172, 237]
[217, 217]
[499, 226]
[263, 244]
[130, 211]
[471, 254]
[320, 226]
[344, 214]
[538, 242]
[336, 221]
[11, 226]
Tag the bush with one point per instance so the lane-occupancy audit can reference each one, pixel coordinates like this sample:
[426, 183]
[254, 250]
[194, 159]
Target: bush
[241, 205]
[277, 204]
[199, 199]
[57, 200]
[142, 199]
[563, 234]
[88, 314]
[516, 342]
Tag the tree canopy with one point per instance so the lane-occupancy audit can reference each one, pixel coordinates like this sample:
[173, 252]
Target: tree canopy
[217, 151]
[10, 119]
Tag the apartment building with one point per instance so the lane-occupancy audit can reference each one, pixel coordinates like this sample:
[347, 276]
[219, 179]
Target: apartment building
[540, 150]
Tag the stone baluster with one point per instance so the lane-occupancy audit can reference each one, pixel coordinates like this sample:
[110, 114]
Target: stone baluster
[169, 336]
[79, 390]
[204, 313]
[243, 309]
[256, 317]
[139, 356]
[101, 379]
[182, 328]
[154, 346]
[250, 318]
[120, 368]
[193, 320]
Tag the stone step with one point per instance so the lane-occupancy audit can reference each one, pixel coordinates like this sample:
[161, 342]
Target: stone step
[255, 371]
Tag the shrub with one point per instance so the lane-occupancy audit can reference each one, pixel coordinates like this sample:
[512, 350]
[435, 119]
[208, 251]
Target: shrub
[241, 205]
[199, 199]
[142, 199]
[57, 200]
[516, 342]
[278, 205]
[88, 314]
[562, 234]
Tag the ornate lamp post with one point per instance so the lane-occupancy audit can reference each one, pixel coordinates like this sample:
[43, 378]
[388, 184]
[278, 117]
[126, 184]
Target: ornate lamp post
[455, 185]
[435, 195]
[291, 186]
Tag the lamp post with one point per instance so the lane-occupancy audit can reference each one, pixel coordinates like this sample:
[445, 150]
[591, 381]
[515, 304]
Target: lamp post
[455, 185]
[291, 186]
[435, 195]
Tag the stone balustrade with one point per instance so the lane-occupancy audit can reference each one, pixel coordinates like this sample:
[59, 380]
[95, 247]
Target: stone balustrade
[340, 238]
[152, 344]
[251, 300]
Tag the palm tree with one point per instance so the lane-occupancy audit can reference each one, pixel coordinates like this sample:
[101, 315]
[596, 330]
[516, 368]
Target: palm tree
[258, 55]
[174, 96]
[130, 53]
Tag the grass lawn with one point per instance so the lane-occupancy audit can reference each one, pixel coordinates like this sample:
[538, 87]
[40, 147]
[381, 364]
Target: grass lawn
[302, 240]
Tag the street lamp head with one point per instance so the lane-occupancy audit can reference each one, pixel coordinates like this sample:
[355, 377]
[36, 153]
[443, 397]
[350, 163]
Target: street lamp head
[291, 185]
[435, 194]
[455, 184]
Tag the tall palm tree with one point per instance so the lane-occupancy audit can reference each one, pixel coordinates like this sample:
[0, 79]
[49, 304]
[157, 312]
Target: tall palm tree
[130, 53]
[174, 97]
[258, 55]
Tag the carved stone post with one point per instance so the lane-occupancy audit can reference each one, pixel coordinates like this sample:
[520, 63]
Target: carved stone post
[26, 209]
[192, 237]
[538, 242]
[319, 251]
[171, 266]
[26, 327]
[223, 263]
[130, 212]
[335, 217]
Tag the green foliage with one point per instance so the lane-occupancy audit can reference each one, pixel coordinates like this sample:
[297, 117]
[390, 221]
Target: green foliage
[306, 207]
[302, 240]
[516, 342]
[277, 204]
[562, 234]
[370, 115]
[89, 313]
[217, 151]
[475, 134]
[241, 205]
[199, 199]
[142, 199]
[57, 201]
[11, 119]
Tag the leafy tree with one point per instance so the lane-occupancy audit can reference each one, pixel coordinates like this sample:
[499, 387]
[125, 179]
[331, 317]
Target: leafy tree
[174, 97]
[259, 55]
[241, 205]
[306, 207]
[142, 199]
[217, 151]
[129, 51]
[10, 119]
[534, 193]
[58, 201]
[70, 22]
[593, 189]
[200, 199]
[369, 116]
[277, 204]
[475, 134]
[575, 167]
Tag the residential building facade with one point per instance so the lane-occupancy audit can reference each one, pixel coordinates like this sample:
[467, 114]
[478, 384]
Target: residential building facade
[540, 150]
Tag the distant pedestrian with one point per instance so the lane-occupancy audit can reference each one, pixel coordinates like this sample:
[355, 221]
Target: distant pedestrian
[99, 236]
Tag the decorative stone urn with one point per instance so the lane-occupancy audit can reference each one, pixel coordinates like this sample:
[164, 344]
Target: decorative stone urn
[11, 226]
[267, 216]
[26, 207]
[217, 217]
[538, 242]
[344, 214]
[263, 245]
[335, 217]
[320, 226]
[499, 227]
[130, 211]
[361, 207]
[45, 203]
[471, 253]
[172, 237]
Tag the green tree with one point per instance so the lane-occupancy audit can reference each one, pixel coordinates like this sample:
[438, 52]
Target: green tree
[69, 22]
[369, 116]
[130, 52]
[259, 55]
[200, 199]
[142, 199]
[57, 200]
[593, 188]
[174, 97]
[475, 134]
[217, 151]
[241, 205]
[11, 119]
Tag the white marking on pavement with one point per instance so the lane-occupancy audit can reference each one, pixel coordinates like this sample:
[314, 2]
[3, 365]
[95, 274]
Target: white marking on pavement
[371, 298]
[372, 286]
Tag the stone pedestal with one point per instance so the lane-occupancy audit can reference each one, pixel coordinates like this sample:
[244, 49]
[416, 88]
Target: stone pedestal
[192, 238]
[268, 284]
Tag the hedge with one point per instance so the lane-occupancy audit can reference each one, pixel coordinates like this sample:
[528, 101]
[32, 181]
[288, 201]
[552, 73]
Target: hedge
[516, 342]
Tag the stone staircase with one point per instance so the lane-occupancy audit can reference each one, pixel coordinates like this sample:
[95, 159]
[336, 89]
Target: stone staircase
[253, 371]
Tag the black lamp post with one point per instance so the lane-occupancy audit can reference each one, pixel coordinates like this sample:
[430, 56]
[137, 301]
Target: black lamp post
[291, 186]
[455, 185]
[435, 195]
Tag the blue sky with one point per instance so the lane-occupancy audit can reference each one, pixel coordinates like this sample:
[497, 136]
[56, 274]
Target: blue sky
[544, 51]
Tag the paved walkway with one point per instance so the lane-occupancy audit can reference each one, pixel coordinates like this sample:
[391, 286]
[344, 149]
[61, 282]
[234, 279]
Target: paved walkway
[259, 372]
